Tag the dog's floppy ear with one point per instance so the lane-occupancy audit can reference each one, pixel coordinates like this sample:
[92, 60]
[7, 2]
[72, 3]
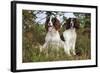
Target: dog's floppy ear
[76, 23]
[56, 23]
[46, 23]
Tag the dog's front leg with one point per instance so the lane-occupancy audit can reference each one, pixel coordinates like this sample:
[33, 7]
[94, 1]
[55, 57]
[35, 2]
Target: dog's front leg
[45, 48]
[67, 49]
[73, 48]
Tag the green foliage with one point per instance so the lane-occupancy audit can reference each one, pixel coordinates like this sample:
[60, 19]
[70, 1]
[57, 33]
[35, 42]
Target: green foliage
[84, 19]
[83, 44]
[28, 19]
[34, 35]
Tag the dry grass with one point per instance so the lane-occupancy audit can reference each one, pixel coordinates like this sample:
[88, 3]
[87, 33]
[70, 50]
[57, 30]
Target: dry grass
[34, 38]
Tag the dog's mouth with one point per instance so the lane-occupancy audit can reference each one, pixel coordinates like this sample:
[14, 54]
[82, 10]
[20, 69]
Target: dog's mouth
[71, 25]
[50, 28]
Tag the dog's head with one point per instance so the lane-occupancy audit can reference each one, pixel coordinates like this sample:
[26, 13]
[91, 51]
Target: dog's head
[52, 22]
[71, 23]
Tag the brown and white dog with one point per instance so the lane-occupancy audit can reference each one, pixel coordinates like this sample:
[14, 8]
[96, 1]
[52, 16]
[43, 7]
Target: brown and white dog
[52, 38]
[70, 35]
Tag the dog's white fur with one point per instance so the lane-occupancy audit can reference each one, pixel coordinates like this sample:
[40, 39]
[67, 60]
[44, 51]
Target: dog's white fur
[70, 39]
[52, 38]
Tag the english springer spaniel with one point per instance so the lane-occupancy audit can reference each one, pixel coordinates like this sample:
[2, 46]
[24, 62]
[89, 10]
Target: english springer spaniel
[52, 38]
[70, 35]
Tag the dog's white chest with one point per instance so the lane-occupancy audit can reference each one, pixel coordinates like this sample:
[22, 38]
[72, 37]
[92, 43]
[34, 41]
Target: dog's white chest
[69, 35]
[52, 36]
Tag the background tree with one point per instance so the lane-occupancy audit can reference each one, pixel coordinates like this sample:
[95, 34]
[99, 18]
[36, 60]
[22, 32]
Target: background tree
[28, 19]
[84, 19]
